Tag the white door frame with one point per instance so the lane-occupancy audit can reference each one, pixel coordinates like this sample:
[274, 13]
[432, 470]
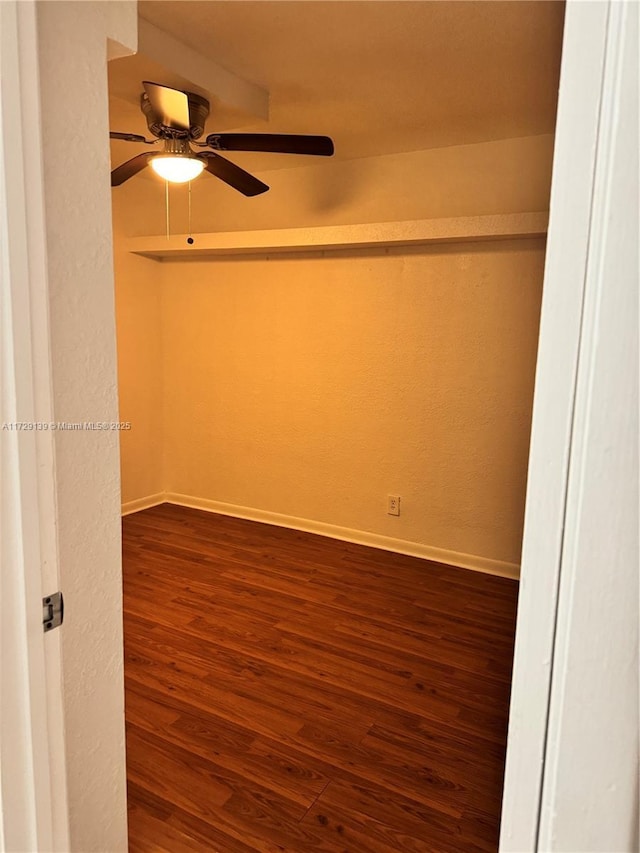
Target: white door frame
[592, 739]
[33, 802]
[33, 796]
[61, 783]
[573, 732]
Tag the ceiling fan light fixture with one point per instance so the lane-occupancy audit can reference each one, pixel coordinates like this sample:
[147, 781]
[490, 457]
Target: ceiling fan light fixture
[177, 168]
[177, 118]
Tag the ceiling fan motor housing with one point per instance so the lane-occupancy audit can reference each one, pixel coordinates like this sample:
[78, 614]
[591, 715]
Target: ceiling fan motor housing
[198, 112]
[177, 148]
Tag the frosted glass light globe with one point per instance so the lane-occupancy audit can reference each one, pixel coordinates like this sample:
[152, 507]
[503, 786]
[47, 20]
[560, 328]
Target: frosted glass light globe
[177, 170]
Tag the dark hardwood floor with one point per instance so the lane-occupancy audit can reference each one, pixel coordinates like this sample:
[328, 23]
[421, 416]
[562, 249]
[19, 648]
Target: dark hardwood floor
[288, 692]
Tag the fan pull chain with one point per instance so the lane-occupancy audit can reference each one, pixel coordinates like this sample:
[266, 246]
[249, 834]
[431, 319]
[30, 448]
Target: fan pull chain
[166, 198]
[189, 237]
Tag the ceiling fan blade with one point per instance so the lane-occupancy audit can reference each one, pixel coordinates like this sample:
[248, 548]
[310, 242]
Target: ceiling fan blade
[131, 137]
[232, 174]
[276, 143]
[171, 106]
[130, 168]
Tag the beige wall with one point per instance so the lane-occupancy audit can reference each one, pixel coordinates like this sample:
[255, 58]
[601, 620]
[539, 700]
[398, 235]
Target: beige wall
[139, 324]
[315, 387]
[312, 387]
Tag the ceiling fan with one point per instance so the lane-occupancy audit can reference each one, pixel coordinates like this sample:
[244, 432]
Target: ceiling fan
[177, 119]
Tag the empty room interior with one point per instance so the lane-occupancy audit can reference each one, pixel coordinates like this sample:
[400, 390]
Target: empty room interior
[326, 391]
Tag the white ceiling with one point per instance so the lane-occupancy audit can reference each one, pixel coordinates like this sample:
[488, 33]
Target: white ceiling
[380, 77]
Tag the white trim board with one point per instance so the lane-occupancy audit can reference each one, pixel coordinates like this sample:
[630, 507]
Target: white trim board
[333, 531]
[143, 503]
[462, 229]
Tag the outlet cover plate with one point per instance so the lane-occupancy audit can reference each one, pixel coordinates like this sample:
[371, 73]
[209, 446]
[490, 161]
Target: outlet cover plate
[393, 505]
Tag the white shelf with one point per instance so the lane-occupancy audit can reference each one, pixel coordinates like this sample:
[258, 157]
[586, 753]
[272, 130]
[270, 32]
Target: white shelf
[343, 237]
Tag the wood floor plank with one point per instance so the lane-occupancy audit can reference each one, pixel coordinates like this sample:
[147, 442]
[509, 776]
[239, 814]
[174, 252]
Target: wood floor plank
[421, 828]
[289, 693]
[149, 834]
[212, 837]
[295, 778]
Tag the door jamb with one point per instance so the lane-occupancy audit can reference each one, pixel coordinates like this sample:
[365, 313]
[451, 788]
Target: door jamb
[33, 793]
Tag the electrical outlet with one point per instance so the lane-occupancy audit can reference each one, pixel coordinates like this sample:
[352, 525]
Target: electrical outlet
[393, 505]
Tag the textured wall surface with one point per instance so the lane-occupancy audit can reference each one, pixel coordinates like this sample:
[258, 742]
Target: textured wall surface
[316, 386]
[73, 57]
[312, 387]
[504, 176]
[140, 381]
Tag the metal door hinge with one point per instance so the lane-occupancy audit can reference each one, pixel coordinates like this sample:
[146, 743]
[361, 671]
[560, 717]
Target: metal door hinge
[52, 611]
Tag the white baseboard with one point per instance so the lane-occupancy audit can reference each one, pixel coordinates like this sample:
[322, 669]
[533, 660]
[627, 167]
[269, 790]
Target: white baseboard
[359, 537]
[143, 503]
